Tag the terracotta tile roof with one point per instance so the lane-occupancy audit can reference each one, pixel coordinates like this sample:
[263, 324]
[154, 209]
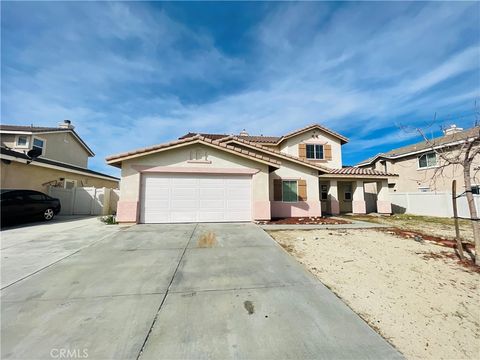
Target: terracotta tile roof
[423, 145]
[313, 126]
[360, 171]
[276, 153]
[268, 139]
[252, 138]
[197, 138]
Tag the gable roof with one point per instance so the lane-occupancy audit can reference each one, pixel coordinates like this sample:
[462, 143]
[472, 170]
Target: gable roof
[64, 166]
[42, 129]
[438, 142]
[276, 153]
[273, 140]
[116, 160]
[342, 138]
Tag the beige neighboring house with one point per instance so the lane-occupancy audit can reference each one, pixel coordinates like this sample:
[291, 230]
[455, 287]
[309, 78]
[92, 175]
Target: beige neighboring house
[416, 164]
[63, 160]
[218, 177]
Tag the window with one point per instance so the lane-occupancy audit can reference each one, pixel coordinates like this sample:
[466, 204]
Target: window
[323, 192]
[314, 151]
[35, 196]
[289, 191]
[69, 184]
[38, 144]
[476, 189]
[347, 194]
[423, 189]
[427, 160]
[22, 141]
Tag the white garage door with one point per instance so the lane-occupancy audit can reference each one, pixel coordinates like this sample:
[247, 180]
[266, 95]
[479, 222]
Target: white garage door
[168, 198]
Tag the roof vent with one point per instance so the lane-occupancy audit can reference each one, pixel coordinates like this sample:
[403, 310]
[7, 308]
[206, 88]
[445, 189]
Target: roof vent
[243, 133]
[453, 129]
[66, 124]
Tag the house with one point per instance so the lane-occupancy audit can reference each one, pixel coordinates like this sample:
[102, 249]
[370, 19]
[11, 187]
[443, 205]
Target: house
[417, 165]
[219, 177]
[62, 159]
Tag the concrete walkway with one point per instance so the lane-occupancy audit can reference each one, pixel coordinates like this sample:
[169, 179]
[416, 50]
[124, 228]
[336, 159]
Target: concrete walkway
[153, 292]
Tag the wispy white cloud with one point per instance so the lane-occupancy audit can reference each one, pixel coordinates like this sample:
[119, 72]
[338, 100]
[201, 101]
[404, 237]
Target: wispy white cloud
[130, 75]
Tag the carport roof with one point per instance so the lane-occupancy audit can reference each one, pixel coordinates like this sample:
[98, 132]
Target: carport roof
[116, 160]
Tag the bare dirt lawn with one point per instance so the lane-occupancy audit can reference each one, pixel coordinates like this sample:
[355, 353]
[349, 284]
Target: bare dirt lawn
[415, 294]
[429, 225]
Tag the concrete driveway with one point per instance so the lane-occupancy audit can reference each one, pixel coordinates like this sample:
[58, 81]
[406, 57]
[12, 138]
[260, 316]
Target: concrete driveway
[153, 292]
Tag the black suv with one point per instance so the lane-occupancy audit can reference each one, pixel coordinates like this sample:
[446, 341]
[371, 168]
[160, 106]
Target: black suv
[27, 204]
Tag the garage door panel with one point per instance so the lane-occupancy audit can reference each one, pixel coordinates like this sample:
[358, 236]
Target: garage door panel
[212, 182]
[211, 216]
[211, 193]
[183, 193]
[211, 204]
[181, 216]
[195, 198]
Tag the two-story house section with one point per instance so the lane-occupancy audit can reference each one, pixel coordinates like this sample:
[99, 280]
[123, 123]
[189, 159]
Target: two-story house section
[203, 177]
[35, 157]
[418, 165]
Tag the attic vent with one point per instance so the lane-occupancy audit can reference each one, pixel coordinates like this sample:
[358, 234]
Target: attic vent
[243, 133]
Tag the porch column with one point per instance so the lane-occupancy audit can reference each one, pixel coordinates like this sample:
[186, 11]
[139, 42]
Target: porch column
[384, 206]
[333, 198]
[358, 204]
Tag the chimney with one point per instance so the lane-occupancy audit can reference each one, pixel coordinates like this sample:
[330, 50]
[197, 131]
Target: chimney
[453, 129]
[66, 124]
[243, 133]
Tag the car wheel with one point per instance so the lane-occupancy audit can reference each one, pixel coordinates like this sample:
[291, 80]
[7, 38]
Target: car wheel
[48, 214]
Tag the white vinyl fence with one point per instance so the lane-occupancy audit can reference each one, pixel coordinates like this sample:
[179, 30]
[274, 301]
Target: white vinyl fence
[86, 200]
[430, 204]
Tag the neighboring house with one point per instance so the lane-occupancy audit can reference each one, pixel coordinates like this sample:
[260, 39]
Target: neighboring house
[418, 165]
[63, 160]
[217, 177]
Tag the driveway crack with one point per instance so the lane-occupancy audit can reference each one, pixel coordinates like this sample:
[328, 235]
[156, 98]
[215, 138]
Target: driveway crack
[166, 293]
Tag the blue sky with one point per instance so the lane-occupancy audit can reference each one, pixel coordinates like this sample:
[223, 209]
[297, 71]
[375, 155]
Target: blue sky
[138, 73]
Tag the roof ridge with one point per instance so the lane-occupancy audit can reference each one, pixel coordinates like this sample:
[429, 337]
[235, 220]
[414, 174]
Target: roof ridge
[187, 140]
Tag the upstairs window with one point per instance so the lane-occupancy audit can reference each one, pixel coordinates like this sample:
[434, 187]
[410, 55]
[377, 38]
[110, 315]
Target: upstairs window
[314, 152]
[22, 141]
[427, 160]
[38, 144]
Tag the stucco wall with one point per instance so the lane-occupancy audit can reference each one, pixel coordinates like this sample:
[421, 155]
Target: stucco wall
[180, 157]
[21, 176]
[290, 146]
[62, 147]
[411, 177]
[292, 171]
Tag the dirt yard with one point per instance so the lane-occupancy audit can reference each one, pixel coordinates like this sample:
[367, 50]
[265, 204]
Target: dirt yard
[414, 294]
[430, 225]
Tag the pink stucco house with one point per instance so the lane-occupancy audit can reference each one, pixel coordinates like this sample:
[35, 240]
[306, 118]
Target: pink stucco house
[218, 177]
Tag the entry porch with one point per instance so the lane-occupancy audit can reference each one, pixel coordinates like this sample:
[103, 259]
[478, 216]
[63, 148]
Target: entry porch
[357, 195]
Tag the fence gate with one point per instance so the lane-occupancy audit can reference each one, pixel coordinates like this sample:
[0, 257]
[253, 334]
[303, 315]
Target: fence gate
[82, 200]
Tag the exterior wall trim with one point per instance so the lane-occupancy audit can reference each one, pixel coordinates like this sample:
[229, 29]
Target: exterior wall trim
[189, 170]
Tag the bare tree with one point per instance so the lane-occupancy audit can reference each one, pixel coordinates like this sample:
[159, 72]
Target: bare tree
[460, 150]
